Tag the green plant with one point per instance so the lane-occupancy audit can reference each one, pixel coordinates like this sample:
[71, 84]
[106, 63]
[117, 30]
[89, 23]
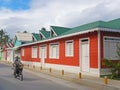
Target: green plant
[115, 68]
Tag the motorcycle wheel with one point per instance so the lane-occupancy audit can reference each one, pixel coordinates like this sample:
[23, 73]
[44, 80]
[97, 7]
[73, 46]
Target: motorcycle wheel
[15, 76]
[21, 77]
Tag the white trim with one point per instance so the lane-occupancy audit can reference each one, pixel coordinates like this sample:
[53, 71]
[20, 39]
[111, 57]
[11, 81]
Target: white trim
[42, 35]
[115, 41]
[81, 51]
[16, 47]
[111, 37]
[66, 48]
[67, 68]
[57, 43]
[34, 37]
[53, 31]
[99, 52]
[23, 52]
[73, 34]
[45, 46]
[43, 53]
[108, 29]
[71, 69]
[35, 52]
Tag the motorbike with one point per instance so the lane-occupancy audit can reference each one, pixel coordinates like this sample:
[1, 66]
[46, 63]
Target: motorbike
[18, 72]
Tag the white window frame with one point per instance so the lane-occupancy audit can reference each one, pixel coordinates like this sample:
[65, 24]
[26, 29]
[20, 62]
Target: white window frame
[67, 48]
[108, 54]
[34, 52]
[23, 52]
[51, 54]
[45, 46]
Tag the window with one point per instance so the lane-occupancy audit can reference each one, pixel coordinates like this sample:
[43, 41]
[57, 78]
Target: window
[110, 48]
[54, 50]
[43, 51]
[69, 48]
[22, 51]
[34, 52]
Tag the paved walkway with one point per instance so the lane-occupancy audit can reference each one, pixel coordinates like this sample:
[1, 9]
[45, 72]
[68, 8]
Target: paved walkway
[91, 81]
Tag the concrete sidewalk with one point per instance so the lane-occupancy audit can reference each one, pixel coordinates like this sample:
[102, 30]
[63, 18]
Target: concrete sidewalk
[90, 81]
[86, 80]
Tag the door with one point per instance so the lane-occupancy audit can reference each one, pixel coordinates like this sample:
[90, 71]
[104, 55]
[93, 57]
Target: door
[85, 55]
[42, 54]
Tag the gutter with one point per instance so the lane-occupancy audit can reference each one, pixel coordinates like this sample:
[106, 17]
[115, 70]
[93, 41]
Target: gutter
[73, 34]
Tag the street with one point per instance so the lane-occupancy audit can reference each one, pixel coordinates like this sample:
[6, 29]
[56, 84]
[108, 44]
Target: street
[32, 81]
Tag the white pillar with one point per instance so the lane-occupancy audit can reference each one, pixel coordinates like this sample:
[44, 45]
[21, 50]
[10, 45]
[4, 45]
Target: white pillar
[99, 52]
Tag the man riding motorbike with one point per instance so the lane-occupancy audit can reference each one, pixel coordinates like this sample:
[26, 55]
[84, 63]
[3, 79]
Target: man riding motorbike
[18, 67]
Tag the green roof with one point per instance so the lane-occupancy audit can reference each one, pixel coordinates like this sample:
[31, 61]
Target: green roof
[114, 24]
[59, 30]
[37, 36]
[62, 31]
[45, 33]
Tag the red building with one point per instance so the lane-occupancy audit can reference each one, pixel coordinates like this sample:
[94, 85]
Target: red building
[6, 50]
[80, 49]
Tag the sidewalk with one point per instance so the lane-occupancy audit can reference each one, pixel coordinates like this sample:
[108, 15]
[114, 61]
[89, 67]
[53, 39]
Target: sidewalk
[85, 80]
[91, 81]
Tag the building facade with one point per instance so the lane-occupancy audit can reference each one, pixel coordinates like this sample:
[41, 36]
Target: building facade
[80, 49]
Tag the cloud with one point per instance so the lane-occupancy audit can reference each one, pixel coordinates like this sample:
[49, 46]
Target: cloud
[105, 10]
[67, 13]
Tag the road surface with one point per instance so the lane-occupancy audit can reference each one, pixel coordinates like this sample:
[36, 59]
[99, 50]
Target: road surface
[34, 81]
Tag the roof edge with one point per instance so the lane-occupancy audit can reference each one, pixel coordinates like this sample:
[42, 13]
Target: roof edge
[73, 34]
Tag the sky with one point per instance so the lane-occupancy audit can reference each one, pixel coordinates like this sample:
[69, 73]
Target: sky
[32, 15]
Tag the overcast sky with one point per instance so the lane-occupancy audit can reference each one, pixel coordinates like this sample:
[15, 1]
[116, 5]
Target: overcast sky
[32, 15]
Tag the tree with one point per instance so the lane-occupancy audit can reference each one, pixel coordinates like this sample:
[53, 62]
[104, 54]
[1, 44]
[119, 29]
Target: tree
[4, 38]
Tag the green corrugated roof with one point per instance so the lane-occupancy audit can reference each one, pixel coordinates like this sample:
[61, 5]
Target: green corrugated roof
[45, 33]
[114, 24]
[37, 36]
[86, 27]
[59, 30]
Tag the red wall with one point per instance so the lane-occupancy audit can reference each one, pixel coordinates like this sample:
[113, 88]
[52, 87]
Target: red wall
[28, 54]
[94, 50]
[63, 60]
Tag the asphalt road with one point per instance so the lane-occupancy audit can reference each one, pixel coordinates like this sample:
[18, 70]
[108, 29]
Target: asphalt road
[34, 81]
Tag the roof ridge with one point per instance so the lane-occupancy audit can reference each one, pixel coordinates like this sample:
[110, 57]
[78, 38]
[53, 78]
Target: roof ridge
[117, 19]
[60, 30]
[98, 22]
[60, 27]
